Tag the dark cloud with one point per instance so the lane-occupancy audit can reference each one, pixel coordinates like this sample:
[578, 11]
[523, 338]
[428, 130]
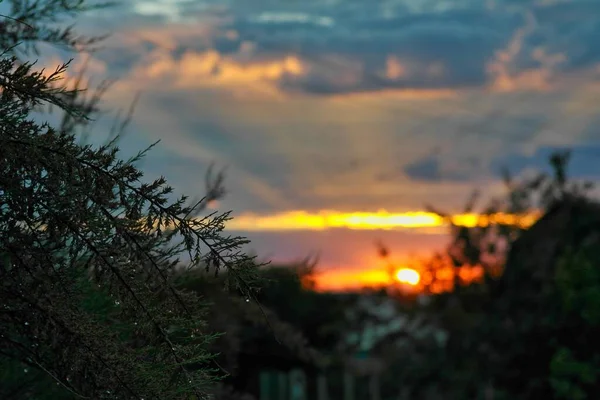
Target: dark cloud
[432, 169]
[427, 169]
[583, 164]
[571, 29]
[436, 49]
[457, 43]
[122, 59]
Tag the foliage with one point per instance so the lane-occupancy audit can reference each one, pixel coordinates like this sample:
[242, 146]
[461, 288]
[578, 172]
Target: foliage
[257, 329]
[89, 253]
[33, 22]
[573, 367]
[524, 333]
[317, 315]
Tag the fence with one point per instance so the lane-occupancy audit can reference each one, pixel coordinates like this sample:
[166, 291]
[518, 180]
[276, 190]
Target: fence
[333, 385]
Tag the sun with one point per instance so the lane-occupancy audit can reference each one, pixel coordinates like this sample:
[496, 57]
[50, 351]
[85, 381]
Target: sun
[408, 276]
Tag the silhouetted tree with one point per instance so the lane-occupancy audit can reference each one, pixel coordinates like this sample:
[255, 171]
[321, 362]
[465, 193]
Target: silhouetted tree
[516, 334]
[89, 253]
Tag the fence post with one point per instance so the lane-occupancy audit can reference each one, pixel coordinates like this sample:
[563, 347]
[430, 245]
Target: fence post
[282, 390]
[265, 387]
[348, 386]
[374, 387]
[297, 385]
[322, 392]
[489, 391]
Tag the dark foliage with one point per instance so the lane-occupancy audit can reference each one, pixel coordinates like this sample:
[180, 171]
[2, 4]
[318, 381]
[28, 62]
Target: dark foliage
[89, 253]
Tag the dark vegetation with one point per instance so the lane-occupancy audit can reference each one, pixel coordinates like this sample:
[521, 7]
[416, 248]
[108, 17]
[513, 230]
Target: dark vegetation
[112, 289]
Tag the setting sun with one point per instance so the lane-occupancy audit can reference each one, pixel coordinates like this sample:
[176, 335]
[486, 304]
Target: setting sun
[408, 275]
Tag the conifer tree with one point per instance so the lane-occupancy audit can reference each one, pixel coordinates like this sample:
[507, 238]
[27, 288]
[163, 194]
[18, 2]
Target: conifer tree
[89, 252]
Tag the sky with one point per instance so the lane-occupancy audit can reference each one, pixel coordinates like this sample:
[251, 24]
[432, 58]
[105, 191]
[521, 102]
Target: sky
[331, 107]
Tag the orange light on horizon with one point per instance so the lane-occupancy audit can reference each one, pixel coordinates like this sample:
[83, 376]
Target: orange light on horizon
[436, 281]
[336, 280]
[382, 219]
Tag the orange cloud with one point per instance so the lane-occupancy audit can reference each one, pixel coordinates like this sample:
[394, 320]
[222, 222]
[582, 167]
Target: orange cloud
[248, 70]
[209, 68]
[394, 68]
[327, 219]
[392, 94]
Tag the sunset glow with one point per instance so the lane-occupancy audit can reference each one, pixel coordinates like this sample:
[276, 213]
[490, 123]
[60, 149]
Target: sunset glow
[408, 276]
[438, 279]
[339, 279]
[418, 274]
[327, 219]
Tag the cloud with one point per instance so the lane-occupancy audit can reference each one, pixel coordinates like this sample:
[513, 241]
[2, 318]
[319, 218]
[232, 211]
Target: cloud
[572, 28]
[338, 104]
[433, 168]
[421, 49]
[350, 153]
[356, 53]
[427, 169]
[332, 48]
[291, 93]
[197, 70]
